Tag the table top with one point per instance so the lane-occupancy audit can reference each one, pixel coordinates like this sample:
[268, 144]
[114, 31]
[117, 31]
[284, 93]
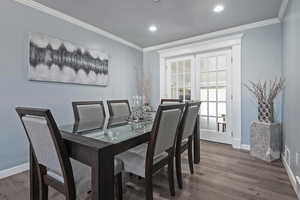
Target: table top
[112, 130]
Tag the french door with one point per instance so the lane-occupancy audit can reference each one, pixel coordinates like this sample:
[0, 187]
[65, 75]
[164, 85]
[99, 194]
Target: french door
[213, 79]
[205, 77]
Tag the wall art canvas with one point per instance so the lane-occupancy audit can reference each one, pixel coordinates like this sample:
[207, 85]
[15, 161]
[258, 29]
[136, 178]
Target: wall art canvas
[55, 60]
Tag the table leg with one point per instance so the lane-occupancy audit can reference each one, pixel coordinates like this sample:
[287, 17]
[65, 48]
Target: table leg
[34, 181]
[103, 177]
[197, 141]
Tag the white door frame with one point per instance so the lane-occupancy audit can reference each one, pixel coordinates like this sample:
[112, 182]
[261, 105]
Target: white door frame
[234, 43]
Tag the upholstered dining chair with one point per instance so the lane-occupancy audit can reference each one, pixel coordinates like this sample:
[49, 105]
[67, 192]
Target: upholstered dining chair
[91, 113]
[119, 111]
[54, 167]
[146, 159]
[170, 101]
[185, 138]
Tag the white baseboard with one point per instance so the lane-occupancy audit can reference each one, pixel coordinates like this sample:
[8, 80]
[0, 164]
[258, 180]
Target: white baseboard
[290, 174]
[236, 143]
[14, 170]
[245, 147]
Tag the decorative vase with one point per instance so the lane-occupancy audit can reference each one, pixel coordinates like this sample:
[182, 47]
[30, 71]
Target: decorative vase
[265, 112]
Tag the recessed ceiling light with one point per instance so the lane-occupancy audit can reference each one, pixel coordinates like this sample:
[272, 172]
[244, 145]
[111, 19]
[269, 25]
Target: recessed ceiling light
[152, 28]
[218, 8]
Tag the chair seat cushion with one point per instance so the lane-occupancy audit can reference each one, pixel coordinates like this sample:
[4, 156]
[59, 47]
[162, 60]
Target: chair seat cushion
[82, 176]
[134, 160]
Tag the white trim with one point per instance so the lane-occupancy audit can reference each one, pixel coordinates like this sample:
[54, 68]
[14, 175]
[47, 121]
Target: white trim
[236, 143]
[215, 34]
[245, 147]
[234, 43]
[202, 46]
[14, 170]
[72, 20]
[291, 175]
[282, 10]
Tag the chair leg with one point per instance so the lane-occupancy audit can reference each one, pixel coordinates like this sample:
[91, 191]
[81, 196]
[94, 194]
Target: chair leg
[119, 186]
[44, 192]
[149, 187]
[179, 169]
[171, 175]
[190, 155]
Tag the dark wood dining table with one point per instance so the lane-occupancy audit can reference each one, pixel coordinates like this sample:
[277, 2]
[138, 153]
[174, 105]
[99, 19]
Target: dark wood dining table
[96, 145]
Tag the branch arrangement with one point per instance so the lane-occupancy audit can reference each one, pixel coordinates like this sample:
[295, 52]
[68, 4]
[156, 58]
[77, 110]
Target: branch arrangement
[263, 93]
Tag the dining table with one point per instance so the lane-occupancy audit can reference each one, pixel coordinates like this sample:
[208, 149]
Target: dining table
[97, 143]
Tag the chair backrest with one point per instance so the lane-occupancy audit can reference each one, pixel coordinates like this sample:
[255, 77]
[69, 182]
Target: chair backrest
[189, 119]
[46, 142]
[89, 112]
[170, 101]
[118, 108]
[165, 128]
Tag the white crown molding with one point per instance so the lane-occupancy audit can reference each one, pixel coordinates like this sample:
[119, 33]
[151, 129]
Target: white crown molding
[72, 20]
[14, 170]
[282, 10]
[214, 34]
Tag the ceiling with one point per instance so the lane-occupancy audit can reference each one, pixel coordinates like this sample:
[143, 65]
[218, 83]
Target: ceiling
[175, 19]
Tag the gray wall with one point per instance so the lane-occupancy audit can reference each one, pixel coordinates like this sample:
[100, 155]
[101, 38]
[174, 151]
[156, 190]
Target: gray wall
[261, 60]
[16, 21]
[291, 71]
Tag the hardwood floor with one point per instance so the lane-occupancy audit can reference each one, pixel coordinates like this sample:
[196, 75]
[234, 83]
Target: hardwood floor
[223, 174]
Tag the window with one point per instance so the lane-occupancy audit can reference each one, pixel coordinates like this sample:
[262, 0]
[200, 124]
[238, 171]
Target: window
[179, 72]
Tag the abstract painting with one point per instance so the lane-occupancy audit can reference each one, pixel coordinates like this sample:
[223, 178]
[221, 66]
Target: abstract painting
[56, 60]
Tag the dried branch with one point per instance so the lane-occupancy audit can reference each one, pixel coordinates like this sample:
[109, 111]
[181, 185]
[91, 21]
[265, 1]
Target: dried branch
[262, 93]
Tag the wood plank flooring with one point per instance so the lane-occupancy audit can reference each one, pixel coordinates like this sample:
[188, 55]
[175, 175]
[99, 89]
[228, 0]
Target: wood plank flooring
[224, 174]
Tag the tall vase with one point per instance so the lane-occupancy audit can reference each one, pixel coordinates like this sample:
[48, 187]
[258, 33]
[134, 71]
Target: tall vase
[265, 112]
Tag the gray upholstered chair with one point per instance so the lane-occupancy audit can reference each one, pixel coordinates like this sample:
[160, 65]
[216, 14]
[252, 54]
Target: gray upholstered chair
[185, 138]
[119, 111]
[170, 101]
[54, 167]
[91, 113]
[146, 159]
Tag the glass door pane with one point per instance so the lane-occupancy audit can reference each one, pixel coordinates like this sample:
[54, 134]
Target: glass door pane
[181, 78]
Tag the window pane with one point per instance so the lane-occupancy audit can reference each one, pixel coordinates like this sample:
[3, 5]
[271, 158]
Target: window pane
[173, 81]
[180, 67]
[222, 94]
[203, 78]
[222, 61]
[203, 108]
[212, 77]
[212, 123]
[212, 94]
[187, 80]
[180, 93]
[222, 77]
[203, 122]
[221, 109]
[188, 66]
[212, 109]
[173, 67]
[212, 63]
[173, 93]
[188, 94]
[203, 94]
[180, 80]
[203, 65]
